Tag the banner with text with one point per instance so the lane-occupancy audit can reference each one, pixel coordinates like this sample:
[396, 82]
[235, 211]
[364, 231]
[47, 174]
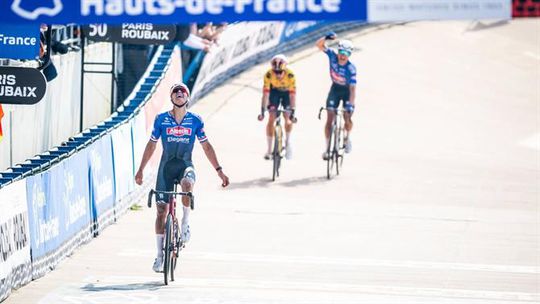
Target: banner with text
[59, 211]
[173, 11]
[407, 10]
[123, 160]
[19, 41]
[238, 43]
[15, 265]
[132, 33]
[102, 187]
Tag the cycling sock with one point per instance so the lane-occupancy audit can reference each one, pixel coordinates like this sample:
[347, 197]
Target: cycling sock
[288, 138]
[159, 244]
[269, 140]
[185, 217]
[327, 144]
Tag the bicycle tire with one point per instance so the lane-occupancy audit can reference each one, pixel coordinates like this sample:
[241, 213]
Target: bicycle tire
[276, 154]
[330, 151]
[337, 145]
[167, 253]
[175, 248]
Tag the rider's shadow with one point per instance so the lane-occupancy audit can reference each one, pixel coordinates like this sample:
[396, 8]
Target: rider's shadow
[150, 286]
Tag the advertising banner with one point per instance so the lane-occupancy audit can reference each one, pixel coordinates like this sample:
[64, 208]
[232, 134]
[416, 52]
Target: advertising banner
[20, 85]
[407, 10]
[123, 161]
[19, 41]
[59, 211]
[132, 33]
[102, 186]
[173, 11]
[240, 42]
[15, 265]
[293, 30]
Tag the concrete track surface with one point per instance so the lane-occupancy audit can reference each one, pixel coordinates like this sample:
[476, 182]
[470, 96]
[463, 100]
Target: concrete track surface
[437, 203]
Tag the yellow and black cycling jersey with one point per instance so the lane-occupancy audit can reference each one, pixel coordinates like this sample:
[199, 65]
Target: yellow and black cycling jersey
[285, 83]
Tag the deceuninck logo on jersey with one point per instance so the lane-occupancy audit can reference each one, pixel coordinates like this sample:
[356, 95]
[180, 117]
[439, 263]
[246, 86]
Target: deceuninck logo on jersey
[178, 131]
[21, 85]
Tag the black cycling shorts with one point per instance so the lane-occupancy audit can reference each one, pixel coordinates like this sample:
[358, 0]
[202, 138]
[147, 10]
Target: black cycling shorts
[169, 172]
[337, 94]
[279, 97]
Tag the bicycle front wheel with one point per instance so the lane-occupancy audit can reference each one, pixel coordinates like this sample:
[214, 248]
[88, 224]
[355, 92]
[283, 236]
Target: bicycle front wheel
[330, 153]
[168, 246]
[175, 248]
[276, 154]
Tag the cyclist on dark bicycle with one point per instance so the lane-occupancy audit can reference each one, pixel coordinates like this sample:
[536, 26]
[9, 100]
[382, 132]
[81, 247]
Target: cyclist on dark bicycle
[279, 88]
[343, 75]
[177, 129]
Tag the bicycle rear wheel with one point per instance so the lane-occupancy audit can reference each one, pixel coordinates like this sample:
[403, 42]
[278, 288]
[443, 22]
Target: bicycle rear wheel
[167, 253]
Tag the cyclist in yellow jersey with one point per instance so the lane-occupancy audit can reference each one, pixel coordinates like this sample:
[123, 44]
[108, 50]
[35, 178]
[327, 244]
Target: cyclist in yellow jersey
[279, 88]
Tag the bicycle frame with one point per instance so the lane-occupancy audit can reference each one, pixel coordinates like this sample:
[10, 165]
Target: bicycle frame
[277, 153]
[335, 150]
[173, 244]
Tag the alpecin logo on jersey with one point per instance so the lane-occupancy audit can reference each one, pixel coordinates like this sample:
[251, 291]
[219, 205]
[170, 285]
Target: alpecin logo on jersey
[178, 131]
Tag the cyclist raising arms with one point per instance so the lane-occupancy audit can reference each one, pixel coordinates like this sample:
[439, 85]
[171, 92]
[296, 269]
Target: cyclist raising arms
[177, 129]
[343, 75]
[279, 88]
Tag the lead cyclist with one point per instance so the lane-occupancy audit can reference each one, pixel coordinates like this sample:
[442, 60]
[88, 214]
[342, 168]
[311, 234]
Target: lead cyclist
[343, 75]
[177, 129]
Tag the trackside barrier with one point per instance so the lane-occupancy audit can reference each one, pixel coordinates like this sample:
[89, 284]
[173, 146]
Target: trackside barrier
[58, 200]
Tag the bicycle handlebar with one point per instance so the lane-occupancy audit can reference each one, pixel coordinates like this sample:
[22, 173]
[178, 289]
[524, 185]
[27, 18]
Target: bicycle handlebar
[333, 110]
[188, 194]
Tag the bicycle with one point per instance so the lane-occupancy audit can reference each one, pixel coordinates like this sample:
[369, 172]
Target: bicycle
[336, 147]
[279, 149]
[173, 242]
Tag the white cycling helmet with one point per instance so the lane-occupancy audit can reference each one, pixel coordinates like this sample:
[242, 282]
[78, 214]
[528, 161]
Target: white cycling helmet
[279, 62]
[345, 47]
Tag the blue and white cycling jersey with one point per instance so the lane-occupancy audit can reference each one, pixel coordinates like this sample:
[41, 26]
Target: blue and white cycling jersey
[178, 139]
[344, 75]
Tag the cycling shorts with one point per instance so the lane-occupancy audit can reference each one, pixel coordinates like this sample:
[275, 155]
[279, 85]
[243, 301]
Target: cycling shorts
[169, 172]
[279, 97]
[337, 94]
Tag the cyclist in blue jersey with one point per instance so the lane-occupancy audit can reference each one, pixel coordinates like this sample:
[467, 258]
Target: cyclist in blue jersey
[343, 75]
[177, 129]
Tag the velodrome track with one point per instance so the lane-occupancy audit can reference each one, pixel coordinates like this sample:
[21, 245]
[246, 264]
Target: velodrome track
[438, 203]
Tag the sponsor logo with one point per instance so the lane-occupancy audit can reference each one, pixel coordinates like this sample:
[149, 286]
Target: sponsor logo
[178, 131]
[212, 7]
[38, 11]
[183, 140]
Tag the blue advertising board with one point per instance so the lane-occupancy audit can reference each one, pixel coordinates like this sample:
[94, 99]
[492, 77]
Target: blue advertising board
[101, 175]
[172, 11]
[58, 204]
[18, 41]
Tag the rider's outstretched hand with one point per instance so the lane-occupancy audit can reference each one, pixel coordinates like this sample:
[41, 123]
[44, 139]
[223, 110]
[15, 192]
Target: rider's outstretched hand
[224, 179]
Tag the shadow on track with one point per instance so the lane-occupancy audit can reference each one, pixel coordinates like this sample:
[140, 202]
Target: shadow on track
[265, 182]
[126, 287]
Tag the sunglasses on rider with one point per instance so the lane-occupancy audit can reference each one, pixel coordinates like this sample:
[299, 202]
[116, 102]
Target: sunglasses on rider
[179, 89]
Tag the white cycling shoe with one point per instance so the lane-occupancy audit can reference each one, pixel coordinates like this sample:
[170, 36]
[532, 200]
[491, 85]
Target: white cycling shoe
[325, 155]
[268, 156]
[158, 264]
[186, 234]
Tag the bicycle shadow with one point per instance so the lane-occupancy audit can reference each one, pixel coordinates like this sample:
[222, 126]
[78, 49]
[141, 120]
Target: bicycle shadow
[262, 182]
[265, 182]
[150, 286]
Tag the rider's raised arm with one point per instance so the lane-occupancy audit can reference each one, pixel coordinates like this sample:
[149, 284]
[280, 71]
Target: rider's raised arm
[321, 44]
